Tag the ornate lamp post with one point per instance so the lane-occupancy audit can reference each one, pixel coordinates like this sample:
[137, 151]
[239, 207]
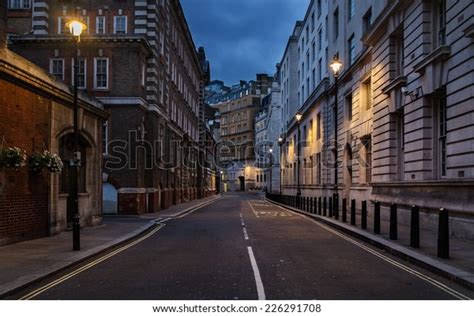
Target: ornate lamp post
[76, 28]
[280, 143]
[335, 66]
[298, 118]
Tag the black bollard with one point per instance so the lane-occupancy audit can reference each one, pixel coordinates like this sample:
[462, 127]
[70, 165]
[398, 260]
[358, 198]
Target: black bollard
[307, 204]
[443, 234]
[315, 205]
[344, 210]
[330, 207]
[377, 217]
[363, 221]
[324, 206]
[393, 222]
[336, 207]
[353, 212]
[415, 227]
[320, 207]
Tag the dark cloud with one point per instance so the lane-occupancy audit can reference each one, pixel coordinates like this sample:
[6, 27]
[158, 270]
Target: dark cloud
[242, 37]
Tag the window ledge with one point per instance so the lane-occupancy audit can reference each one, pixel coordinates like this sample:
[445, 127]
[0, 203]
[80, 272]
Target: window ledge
[439, 54]
[395, 83]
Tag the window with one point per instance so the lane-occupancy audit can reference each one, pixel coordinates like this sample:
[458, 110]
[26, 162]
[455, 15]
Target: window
[348, 107]
[100, 25]
[367, 94]
[318, 131]
[439, 23]
[397, 53]
[351, 50]
[57, 68]
[312, 21]
[365, 159]
[81, 73]
[320, 39]
[120, 25]
[351, 8]
[307, 33]
[302, 94]
[336, 24]
[105, 138]
[19, 4]
[440, 121]
[307, 61]
[319, 8]
[400, 141]
[62, 29]
[307, 85]
[327, 27]
[367, 20]
[101, 73]
[313, 50]
[318, 164]
[320, 66]
[314, 78]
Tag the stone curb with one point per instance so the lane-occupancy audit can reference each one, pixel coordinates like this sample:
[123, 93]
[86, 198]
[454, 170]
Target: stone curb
[30, 279]
[457, 275]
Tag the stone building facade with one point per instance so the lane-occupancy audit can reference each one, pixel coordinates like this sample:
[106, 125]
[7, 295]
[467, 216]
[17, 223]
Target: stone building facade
[268, 128]
[138, 58]
[37, 115]
[404, 110]
[238, 108]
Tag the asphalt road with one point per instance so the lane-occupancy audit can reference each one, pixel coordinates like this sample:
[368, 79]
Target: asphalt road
[241, 247]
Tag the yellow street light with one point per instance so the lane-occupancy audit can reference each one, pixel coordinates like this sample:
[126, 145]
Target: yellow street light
[335, 65]
[76, 27]
[298, 117]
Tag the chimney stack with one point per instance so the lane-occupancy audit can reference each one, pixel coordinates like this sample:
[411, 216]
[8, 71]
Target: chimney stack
[3, 23]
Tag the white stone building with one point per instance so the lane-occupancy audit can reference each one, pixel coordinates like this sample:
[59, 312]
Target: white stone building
[268, 127]
[405, 127]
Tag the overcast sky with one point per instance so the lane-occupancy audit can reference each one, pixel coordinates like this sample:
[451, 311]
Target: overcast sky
[242, 37]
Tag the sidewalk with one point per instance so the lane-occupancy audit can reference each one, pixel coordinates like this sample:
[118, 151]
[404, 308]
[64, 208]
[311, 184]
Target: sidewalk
[459, 268]
[24, 263]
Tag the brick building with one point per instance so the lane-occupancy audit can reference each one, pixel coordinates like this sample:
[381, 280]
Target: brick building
[36, 115]
[404, 111]
[138, 58]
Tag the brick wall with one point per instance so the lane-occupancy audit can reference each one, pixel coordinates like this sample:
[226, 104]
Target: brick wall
[3, 23]
[23, 194]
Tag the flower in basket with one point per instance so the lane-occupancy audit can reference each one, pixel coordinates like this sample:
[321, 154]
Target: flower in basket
[55, 163]
[45, 160]
[37, 162]
[13, 158]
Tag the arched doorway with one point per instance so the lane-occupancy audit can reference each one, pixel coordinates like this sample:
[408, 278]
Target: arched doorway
[109, 198]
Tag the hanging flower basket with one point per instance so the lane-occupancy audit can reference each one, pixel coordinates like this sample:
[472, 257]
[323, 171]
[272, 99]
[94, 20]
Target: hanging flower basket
[12, 158]
[45, 160]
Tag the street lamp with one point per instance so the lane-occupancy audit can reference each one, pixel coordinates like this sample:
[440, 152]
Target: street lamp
[222, 182]
[271, 168]
[280, 143]
[335, 66]
[76, 28]
[298, 117]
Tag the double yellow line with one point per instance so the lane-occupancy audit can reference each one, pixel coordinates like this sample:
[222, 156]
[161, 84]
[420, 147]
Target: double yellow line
[52, 284]
[161, 224]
